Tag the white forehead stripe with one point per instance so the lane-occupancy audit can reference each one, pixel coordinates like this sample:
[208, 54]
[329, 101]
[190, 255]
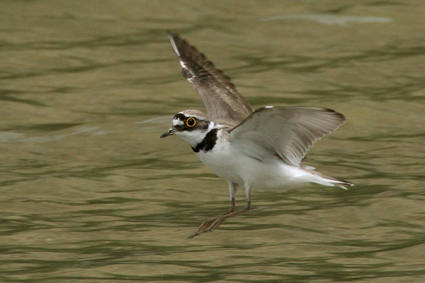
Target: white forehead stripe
[177, 122]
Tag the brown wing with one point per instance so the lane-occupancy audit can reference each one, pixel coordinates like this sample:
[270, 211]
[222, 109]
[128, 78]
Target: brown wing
[218, 93]
[285, 131]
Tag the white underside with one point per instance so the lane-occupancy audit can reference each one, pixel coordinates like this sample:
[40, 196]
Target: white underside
[254, 168]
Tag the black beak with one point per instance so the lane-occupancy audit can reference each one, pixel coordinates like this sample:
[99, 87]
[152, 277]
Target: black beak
[170, 132]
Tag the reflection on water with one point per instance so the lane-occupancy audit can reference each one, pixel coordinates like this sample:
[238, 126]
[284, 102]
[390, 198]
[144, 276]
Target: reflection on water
[90, 193]
[330, 19]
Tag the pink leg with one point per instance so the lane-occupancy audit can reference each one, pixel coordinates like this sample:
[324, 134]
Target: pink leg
[216, 221]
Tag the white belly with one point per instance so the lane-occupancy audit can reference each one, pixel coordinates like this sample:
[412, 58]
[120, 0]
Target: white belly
[231, 163]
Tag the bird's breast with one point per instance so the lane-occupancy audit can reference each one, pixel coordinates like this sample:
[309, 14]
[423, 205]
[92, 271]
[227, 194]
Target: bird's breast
[231, 161]
[222, 159]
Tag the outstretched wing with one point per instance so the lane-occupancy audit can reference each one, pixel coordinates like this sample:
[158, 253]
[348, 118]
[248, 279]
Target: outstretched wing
[286, 131]
[220, 96]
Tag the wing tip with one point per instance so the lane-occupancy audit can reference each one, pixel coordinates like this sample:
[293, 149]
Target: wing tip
[173, 37]
[337, 114]
[183, 48]
[206, 77]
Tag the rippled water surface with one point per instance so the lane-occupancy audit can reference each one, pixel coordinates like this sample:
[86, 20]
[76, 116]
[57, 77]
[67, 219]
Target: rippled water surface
[89, 193]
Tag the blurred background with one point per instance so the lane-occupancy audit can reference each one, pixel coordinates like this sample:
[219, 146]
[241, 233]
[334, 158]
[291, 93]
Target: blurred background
[89, 193]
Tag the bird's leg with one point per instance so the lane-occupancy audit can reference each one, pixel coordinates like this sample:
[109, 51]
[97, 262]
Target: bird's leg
[233, 206]
[213, 223]
[220, 219]
[216, 221]
[208, 222]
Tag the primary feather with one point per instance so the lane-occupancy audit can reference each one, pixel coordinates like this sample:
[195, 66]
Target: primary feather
[218, 93]
[287, 131]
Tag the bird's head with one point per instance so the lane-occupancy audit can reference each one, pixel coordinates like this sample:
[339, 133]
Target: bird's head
[191, 126]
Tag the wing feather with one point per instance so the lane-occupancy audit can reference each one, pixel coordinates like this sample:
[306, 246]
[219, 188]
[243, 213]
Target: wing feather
[218, 93]
[287, 131]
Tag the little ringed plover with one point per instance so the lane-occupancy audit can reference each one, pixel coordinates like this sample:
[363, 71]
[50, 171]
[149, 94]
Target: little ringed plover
[252, 149]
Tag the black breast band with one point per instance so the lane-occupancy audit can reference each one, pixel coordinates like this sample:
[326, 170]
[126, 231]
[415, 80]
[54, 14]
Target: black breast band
[208, 142]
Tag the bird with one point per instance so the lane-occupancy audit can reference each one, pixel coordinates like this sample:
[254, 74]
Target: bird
[253, 149]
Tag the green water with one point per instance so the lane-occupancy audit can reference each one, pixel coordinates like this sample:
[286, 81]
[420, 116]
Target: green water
[89, 193]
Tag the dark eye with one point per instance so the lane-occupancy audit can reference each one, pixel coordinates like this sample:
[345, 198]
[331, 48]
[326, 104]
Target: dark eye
[190, 122]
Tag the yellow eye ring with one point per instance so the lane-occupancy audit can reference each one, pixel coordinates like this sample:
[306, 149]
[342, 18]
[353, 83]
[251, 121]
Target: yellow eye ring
[190, 122]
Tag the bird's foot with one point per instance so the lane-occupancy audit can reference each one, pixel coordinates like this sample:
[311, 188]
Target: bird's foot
[210, 224]
[206, 225]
